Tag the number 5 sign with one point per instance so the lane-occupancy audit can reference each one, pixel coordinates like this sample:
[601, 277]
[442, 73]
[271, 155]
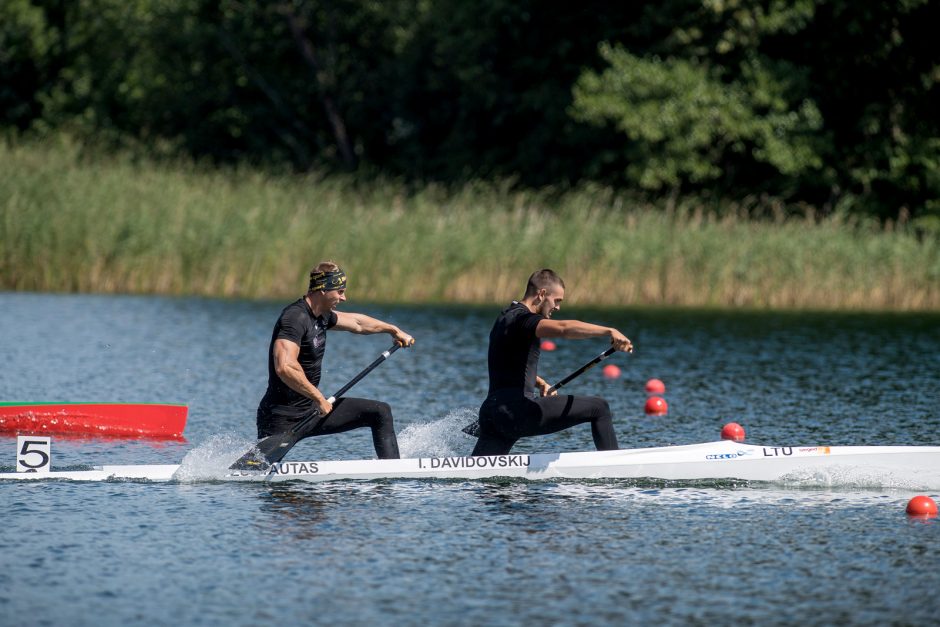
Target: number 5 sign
[33, 453]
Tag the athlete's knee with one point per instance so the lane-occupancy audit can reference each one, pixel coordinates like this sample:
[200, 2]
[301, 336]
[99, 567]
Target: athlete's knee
[601, 408]
[383, 408]
[381, 413]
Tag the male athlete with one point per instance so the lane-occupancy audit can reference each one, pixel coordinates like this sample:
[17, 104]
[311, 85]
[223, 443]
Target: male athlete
[295, 357]
[511, 409]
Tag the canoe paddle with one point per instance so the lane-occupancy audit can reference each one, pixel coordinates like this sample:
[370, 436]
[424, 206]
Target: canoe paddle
[272, 449]
[473, 428]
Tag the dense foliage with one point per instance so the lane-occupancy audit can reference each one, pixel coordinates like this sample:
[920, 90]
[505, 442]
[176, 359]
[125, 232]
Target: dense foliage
[832, 103]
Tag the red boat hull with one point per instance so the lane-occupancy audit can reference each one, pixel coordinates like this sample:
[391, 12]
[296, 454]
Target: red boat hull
[90, 419]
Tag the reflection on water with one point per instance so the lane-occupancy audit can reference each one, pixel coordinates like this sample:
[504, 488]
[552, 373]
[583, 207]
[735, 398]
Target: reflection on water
[305, 506]
[295, 513]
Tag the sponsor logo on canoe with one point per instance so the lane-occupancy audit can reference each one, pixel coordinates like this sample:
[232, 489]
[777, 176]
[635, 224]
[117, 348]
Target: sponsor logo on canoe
[495, 461]
[774, 451]
[735, 455]
[818, 450]
[294, 468]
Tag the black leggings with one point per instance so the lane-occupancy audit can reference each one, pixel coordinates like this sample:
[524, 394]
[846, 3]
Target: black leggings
[348, 414]
[504, 421]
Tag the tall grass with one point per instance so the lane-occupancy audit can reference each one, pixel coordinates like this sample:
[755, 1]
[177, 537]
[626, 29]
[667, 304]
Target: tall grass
[115, 225]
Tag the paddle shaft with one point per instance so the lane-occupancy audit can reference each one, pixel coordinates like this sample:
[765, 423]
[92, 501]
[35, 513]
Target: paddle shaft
[577, 373]
[315, 413]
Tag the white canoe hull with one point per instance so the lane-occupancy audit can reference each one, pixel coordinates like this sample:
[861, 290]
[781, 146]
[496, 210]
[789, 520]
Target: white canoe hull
[903, 466]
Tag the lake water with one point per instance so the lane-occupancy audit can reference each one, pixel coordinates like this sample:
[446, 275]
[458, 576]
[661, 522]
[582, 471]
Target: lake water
[469, 552]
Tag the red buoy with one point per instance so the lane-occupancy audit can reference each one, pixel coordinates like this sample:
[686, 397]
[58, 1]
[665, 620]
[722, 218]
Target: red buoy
[922, 506]
[611, 371]
[732, 431]
[548, 345]
[655, 386]
[656, 406]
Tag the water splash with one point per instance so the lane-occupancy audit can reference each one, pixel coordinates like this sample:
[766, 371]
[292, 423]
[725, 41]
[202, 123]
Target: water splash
[211, 460]
[439, 438]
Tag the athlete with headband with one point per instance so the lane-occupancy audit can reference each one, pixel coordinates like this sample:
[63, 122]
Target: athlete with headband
[295, 357]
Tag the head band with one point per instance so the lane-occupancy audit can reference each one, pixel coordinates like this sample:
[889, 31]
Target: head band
[327, 281]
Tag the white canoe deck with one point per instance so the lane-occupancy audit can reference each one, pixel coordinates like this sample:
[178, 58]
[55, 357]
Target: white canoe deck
[905, 466]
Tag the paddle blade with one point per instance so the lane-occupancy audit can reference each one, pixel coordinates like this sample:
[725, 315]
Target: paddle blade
[472, 429]
[268, 451]
[252, 460]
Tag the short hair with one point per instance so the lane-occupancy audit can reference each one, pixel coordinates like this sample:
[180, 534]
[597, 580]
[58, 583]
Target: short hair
[542, 279]
[325, 266]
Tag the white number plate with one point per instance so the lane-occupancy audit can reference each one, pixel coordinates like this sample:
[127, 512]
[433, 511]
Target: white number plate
[33, 453]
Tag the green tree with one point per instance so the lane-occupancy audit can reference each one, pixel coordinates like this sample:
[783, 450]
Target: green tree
[685, 125]
[706, 105]
[27, 53]
[812, 99]
[876, 78]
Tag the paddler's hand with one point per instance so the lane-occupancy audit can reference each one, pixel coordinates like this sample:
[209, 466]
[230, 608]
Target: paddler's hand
[620, 341]
[323, 405]
[544, 387]
[403, 339]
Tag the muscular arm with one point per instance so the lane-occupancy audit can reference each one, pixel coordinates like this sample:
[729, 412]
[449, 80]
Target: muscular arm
[361, 323]
[576, 330]
[289, 370]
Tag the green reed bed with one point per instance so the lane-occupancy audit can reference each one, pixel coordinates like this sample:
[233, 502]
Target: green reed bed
[113, 225]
